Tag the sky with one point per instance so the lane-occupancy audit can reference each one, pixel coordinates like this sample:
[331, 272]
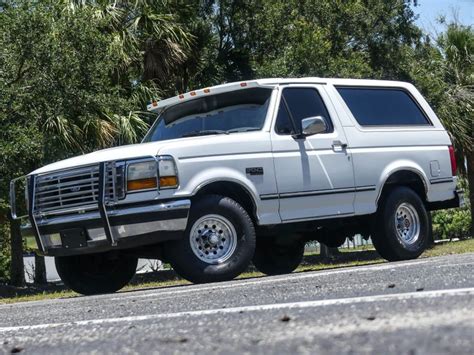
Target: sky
[430, 10]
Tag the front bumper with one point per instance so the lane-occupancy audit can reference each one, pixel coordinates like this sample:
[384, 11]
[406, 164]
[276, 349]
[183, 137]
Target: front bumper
[107, 225]
[130, 226]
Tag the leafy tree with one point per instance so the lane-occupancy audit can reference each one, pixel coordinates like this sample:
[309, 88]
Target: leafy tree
[321, 38]
[446, 78]
[73, 79]
[75, 75]
[457, 45]
[148, 38]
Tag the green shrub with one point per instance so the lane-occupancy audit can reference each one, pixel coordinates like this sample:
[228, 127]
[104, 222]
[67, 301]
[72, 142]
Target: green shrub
[455, 222]
[4, 252]
[452, 223]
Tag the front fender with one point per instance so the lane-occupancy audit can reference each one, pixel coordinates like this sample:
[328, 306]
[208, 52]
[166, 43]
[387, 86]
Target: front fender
[220, 174]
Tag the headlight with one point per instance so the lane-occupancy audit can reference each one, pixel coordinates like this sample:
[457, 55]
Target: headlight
[168, 174]
[142, 176]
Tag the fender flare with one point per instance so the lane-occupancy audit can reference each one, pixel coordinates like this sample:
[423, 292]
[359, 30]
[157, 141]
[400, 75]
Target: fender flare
[408, 166]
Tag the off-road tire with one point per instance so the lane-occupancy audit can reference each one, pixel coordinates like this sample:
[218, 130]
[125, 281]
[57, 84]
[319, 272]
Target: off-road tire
[96, 273]
[385, 237]
[273, 259]
[189, 266]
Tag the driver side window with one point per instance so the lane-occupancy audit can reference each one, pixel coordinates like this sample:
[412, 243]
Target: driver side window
[301, 103]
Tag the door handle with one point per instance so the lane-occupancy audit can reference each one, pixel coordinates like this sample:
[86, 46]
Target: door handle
[338, 146]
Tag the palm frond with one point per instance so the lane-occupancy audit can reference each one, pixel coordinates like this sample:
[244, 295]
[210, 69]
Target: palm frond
[64, 131]
[100, 131]
[130, 128]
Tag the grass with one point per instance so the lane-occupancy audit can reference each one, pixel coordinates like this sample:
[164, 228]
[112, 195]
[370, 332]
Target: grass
[448, 248]
[311, 262]
[45, 295]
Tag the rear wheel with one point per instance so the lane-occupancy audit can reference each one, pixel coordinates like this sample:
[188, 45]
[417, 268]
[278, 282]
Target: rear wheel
[219, 241]
[96, 273]
[272, 258]
[403, 226]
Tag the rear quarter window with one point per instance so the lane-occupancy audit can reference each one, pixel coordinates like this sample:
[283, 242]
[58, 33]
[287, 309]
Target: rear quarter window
[383, 106]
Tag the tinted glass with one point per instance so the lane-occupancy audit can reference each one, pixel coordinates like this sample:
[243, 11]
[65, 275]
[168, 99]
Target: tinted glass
[230, 112]
[382, 107]
[303, 103]
[283, 123]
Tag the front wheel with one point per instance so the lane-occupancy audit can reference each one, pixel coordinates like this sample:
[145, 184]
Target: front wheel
[218, 243]
[403, 226]
[96, 273]
[272, 258]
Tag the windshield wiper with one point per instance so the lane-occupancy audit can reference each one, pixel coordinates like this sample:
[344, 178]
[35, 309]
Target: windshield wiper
[217, 131]
[203, 133]
[242, 129]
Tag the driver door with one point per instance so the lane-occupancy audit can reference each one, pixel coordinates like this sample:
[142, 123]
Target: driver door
[314, 174]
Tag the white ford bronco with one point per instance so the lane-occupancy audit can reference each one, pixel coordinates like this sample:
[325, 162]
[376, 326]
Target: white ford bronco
[243, 172]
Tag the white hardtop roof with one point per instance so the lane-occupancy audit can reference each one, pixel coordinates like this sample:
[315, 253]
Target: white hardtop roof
[268, 83]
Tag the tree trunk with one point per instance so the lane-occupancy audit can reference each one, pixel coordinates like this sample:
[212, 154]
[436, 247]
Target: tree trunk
[40, 270]
[17, 268]
[470, 179]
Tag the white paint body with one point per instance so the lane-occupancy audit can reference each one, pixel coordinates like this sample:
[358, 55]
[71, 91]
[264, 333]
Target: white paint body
[298, 165]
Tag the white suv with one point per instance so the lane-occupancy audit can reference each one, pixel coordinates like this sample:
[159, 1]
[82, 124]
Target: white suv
[248, 171]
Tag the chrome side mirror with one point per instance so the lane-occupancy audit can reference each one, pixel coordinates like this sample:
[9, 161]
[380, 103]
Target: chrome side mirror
[313, 125]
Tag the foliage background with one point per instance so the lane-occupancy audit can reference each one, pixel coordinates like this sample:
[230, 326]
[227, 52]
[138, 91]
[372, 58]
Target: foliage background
[76, 75]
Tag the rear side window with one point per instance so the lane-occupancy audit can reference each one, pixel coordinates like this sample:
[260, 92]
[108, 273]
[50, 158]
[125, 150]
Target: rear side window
[382, 107]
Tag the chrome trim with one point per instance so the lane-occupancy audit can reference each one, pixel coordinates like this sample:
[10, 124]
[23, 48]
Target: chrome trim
[77, 187]
[441, 180]
[81, 209]
[12, 196]
[168, 206]
[130, 230]
[407, 225]
[157, 160]
[168, 157]
[101, 183]
[103, 171]
[84, 182]
[31, 209]
[140, 160]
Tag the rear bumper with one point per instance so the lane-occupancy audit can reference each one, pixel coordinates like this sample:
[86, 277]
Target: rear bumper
[457, 201]
[121, 227]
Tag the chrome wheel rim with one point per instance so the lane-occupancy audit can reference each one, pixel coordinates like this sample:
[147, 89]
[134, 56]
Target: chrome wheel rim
[407, 224]
[213, 239]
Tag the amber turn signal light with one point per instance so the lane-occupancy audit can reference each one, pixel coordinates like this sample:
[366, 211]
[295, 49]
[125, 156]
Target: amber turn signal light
[168, 181]
[141, 184]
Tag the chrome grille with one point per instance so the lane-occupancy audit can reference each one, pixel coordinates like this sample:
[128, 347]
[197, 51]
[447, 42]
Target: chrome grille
[76, 188]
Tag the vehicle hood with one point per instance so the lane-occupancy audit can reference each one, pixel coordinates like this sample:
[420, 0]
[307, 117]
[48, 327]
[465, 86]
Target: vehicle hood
[117, 153]
[210, 145]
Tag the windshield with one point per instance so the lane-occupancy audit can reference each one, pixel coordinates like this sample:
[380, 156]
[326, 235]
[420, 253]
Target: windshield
[230, 112]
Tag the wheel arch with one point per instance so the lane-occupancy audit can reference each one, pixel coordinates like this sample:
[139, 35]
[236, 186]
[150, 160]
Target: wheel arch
[410, 176]
[233, 189]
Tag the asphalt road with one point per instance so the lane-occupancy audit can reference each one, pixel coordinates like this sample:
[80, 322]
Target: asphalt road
[423, 306]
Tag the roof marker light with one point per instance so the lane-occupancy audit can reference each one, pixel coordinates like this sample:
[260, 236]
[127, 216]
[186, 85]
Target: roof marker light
[181, 96]
[243, 84]
[207, 91]
[154, 103]
[192, 93]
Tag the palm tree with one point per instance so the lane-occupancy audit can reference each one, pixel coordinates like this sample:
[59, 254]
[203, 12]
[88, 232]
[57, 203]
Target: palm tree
[149, 36]
[457, 44]
[149, 44]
